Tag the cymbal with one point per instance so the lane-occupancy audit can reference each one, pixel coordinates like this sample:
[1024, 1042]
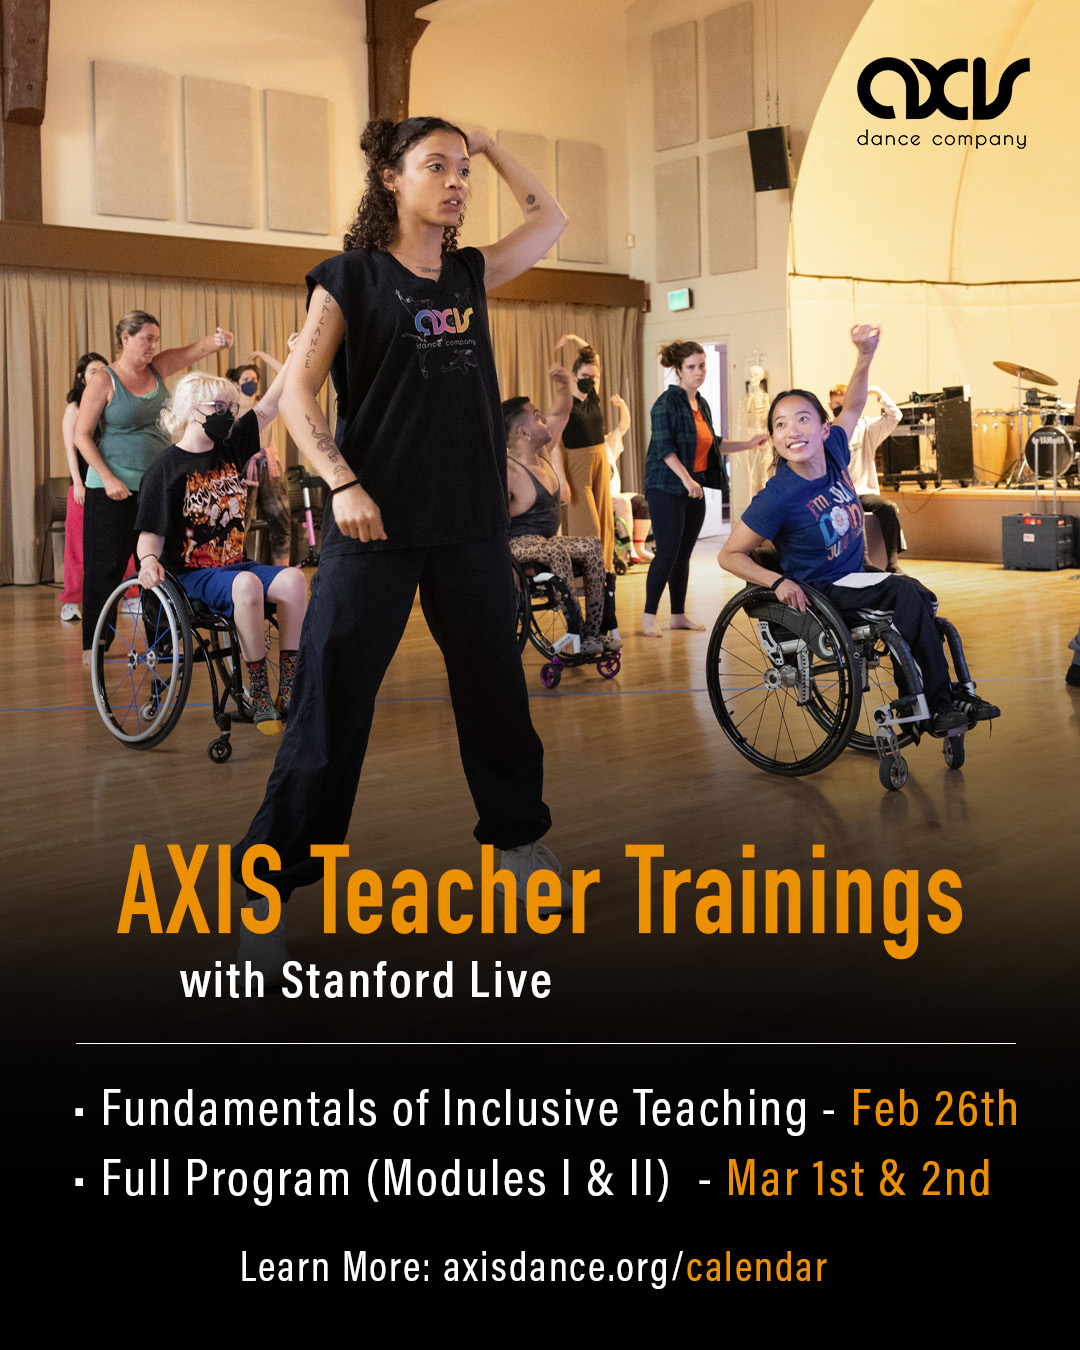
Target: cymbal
[1025, 373]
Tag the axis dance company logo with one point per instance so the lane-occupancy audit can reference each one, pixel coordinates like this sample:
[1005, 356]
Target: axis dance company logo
[442, 321]
[917, 108]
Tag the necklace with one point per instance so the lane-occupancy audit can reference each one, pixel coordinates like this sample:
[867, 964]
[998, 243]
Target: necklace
[416, 267]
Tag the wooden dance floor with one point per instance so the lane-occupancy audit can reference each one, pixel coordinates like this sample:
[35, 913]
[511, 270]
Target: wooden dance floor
[637, 760]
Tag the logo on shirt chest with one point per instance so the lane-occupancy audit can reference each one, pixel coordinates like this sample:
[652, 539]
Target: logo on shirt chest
[839, 517]
[432, 322]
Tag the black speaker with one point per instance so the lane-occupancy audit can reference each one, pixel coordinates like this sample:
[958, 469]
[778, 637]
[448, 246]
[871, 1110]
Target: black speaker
[952, 424]
[770, 158]
[900, 454]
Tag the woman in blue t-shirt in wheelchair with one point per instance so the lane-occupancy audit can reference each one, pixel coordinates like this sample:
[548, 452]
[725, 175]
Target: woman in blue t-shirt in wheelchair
[811, 512]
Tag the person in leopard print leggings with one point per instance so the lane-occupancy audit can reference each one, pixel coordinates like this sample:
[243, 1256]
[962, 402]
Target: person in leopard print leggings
[533, 490]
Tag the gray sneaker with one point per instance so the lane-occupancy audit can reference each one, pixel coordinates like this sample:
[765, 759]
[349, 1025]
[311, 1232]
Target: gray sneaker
[530, 858]
[591, 646]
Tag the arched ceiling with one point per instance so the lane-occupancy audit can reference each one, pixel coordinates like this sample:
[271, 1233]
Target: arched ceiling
[940, 211]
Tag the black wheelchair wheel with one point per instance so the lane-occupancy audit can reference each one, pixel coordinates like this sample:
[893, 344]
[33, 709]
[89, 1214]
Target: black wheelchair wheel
[953, 750]
[141, 666]
[888, 674]
[547, 616]
[783, 685]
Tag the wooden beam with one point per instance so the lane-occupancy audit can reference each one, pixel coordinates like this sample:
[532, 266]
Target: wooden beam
[62, 248]
[24, 54]
[393, 30]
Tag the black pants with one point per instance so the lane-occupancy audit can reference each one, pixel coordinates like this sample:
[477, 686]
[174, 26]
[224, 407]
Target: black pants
[109, 537]
[912, 607]
[360, 604]
[676, 523]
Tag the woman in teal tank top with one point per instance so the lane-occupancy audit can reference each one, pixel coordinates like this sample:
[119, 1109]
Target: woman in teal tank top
[117, 434]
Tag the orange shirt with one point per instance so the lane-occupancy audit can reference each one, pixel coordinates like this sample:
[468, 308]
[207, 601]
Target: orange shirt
[704, 441]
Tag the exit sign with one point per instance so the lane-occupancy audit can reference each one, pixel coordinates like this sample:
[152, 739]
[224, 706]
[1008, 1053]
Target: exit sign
[683, 299]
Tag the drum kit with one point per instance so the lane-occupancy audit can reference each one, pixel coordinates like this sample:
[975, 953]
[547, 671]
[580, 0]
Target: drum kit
[1036, 439]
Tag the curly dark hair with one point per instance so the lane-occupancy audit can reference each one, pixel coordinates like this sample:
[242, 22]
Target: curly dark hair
[385, 144]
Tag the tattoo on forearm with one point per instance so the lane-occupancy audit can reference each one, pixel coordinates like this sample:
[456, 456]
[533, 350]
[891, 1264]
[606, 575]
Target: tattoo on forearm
[324, 443]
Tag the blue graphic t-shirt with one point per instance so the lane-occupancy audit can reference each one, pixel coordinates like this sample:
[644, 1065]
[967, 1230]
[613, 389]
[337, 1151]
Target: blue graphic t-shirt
[418, 418]
[816, 524]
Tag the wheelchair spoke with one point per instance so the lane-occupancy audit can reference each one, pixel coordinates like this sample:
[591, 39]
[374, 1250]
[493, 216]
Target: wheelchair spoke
[141, 665]
[791, 717]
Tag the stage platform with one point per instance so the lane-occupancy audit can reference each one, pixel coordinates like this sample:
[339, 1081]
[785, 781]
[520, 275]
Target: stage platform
[964, 524]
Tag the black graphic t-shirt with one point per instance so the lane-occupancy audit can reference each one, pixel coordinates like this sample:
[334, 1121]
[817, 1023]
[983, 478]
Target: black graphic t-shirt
[196, 501]
[419, 414]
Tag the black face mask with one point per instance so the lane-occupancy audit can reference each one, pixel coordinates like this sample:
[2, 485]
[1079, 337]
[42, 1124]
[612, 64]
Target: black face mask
[218, 425]
[586, 385]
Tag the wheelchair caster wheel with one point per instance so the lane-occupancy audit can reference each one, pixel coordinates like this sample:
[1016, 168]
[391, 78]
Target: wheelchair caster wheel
[219, 751]
[608, 666]
[149, 710]
[550, 675]
[621, 568]
[953, 750]
[893, 773]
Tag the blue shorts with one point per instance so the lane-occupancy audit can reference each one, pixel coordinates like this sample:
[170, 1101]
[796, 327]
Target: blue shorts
[213, 585]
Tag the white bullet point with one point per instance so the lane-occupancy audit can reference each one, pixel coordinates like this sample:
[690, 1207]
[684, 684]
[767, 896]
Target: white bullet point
[78, 1181]
[78, 1111]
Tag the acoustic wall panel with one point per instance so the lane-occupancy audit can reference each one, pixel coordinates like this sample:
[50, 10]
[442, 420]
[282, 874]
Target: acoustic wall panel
[675, 115]
[297, 163]
[729, 70]
[218, 152]
[581, 172]
[536, 153]
[678, 234]
[133, 141]
[732, 211]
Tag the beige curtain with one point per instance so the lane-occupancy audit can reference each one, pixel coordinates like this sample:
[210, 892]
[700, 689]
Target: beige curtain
[524, 336]
[49, 320]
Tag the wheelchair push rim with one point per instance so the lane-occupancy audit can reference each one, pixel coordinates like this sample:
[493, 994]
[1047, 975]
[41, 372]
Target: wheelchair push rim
[141, 664]
[783, 686]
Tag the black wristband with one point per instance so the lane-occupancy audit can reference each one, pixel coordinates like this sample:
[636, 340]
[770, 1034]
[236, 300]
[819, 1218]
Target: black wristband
[148, 556]
[777, 583]
[343, 488]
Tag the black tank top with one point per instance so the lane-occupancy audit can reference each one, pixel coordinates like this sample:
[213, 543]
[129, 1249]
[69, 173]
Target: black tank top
[542, 517]
[585, 426]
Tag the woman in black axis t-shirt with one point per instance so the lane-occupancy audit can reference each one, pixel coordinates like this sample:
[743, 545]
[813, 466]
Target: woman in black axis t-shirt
[417, 472]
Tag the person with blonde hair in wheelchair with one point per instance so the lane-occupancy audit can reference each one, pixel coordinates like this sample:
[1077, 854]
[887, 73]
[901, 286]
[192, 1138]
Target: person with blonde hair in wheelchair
[191, 523]
[811, 512]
